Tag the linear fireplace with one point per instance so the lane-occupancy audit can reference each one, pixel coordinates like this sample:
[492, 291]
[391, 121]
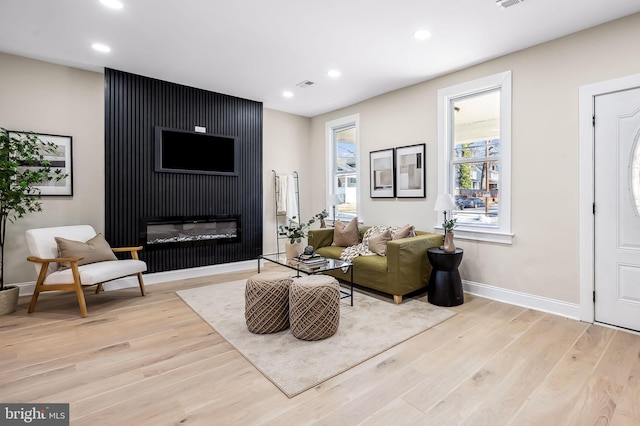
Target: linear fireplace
[179, 231]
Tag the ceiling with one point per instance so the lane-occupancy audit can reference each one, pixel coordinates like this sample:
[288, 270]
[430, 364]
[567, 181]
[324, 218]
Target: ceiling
[256, 49]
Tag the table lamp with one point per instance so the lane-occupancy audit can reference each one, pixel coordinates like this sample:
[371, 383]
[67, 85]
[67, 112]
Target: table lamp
[444, 203]
[334, 200]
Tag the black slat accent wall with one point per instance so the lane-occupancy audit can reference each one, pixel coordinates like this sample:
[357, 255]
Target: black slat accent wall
[134, 105]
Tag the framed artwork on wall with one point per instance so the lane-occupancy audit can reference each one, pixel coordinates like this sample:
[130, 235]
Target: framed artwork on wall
[381, 174]
[62, 160]
[410, 171]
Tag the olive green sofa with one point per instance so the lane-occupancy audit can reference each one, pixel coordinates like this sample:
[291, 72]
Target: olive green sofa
[403, 270]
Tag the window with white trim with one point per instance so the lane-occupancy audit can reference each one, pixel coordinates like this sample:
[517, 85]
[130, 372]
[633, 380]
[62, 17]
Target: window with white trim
[474, 141]
[342, 174]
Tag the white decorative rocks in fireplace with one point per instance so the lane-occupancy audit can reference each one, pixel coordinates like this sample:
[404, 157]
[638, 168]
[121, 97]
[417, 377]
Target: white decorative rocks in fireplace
[177, 231]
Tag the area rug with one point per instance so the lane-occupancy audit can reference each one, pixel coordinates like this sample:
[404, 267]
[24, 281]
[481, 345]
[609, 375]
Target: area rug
[366, 329]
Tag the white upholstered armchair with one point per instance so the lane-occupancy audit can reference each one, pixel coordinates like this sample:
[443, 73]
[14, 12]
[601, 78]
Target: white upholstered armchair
[69, 257]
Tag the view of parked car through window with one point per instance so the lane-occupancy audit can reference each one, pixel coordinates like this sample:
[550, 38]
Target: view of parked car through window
[475, 159]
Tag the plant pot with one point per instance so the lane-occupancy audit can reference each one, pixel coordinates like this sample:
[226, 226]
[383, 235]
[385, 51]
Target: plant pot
[9, 299]
[449, 246]
[293, 250]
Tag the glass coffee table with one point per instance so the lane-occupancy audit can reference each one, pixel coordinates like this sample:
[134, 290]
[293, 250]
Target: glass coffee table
[329, 265]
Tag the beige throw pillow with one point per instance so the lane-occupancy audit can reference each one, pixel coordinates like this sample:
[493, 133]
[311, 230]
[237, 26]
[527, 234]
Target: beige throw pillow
[97, 249]
[345, 236]
[404, 232]
[378, 243]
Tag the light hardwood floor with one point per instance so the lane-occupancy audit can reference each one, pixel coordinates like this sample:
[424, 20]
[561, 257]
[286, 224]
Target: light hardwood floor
[153, 361]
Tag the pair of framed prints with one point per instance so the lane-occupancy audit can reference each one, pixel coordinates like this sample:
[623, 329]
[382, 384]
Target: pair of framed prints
[398, 172]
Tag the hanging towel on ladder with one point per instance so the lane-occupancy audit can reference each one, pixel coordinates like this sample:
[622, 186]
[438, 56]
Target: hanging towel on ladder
[287, 202]
[292, 199]
[281, 190]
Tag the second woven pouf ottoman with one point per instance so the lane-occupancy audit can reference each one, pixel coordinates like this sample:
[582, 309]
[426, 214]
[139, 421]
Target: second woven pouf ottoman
[266, 297]
[314, 307]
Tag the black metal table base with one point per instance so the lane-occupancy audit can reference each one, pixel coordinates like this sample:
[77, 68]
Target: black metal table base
[343, 293]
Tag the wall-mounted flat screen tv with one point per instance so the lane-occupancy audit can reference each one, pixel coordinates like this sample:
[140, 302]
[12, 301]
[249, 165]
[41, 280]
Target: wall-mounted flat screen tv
[183, 151]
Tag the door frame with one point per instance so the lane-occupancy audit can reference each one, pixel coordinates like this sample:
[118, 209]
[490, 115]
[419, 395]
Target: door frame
[586, 246]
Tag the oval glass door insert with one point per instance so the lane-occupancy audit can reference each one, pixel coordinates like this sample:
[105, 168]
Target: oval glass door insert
[635, 175]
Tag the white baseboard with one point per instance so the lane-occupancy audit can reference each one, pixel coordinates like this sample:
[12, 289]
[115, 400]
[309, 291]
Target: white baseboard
[26, 289]
[539, 303]
[526, 300]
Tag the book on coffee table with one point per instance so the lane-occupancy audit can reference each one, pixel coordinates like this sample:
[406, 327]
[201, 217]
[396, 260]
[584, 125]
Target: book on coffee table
[313, 260]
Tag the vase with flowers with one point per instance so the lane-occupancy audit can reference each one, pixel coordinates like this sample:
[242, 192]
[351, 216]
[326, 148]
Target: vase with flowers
[448, 225]
[296, 231]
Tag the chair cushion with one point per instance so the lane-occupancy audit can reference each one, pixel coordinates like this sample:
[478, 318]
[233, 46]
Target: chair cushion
[97, 249]
[99, 272]
[330, 252]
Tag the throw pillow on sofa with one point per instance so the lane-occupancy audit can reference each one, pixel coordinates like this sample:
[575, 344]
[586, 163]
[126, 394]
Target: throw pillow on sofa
[378, 243]
[362, 249]
[404, 232]
[345, 236]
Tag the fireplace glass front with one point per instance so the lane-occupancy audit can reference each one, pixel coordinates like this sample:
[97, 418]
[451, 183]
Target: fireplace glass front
[189, 231]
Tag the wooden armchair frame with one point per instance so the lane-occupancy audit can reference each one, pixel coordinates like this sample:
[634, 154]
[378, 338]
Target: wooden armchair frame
[76, 285]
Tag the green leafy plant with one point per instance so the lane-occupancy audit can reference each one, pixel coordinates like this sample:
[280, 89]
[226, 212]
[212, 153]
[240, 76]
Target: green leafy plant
[449, 224]
[23, 166]
[295, 231]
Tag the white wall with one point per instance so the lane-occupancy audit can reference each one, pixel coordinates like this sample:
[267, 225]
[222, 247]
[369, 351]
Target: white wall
[42, 97]
[285, 149]
[543, 259]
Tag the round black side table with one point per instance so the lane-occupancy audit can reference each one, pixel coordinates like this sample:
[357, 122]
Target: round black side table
[445, 285]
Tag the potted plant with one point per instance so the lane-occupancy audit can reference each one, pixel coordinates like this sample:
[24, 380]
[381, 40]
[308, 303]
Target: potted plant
[23, 165]
[295, 232]
[448, 225]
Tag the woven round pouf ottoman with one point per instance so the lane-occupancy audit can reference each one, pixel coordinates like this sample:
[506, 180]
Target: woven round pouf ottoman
[314, 307]
[266, 302]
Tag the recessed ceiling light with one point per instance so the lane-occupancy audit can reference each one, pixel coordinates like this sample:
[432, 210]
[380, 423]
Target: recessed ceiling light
[101, 47]
[113, 4]
[287, 94]
[333, 73]
[421, 35]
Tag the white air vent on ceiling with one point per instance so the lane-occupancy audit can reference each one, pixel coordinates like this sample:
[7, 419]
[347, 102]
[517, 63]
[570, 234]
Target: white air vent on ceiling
[507, 3]
[305, 83]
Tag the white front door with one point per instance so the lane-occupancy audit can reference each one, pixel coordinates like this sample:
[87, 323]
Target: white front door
[617, 208]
